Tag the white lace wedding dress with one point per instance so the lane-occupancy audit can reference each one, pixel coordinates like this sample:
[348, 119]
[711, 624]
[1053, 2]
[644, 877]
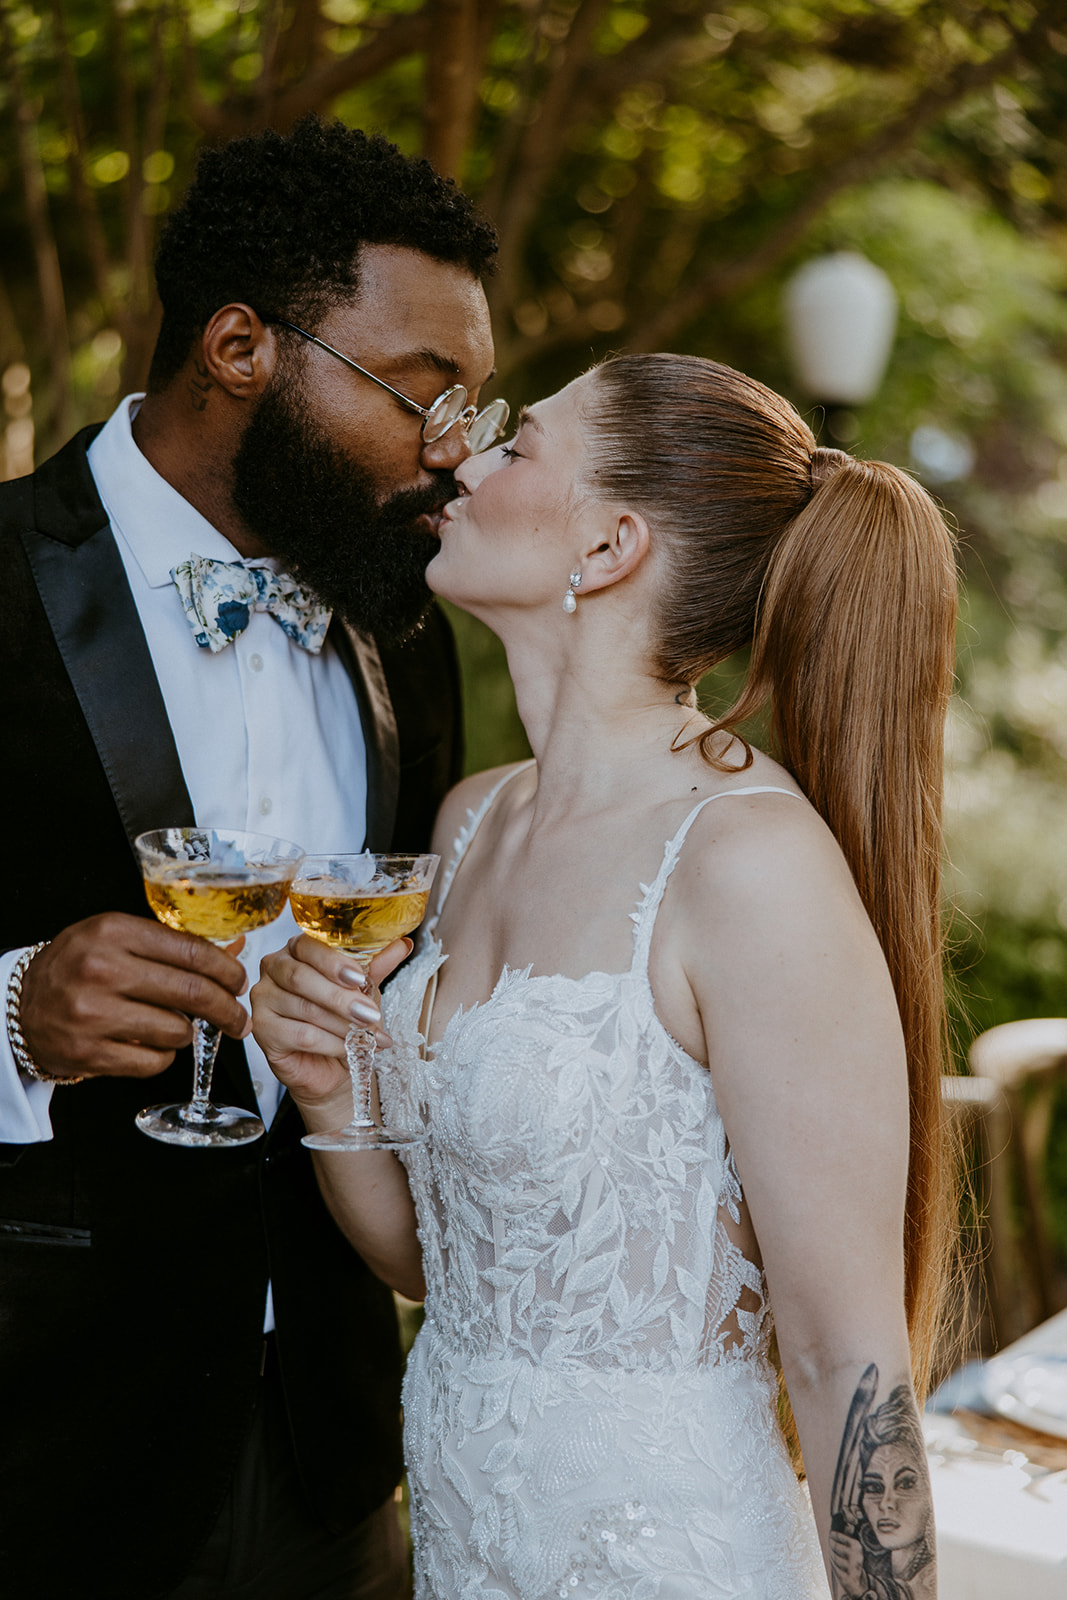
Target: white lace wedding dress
[589, 1409]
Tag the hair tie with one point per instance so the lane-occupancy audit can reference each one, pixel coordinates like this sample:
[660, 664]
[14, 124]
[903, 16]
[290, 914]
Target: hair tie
[825, 464]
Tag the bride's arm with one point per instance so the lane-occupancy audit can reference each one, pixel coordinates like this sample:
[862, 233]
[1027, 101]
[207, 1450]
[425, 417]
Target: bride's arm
[807, 1058]
[302, 1007]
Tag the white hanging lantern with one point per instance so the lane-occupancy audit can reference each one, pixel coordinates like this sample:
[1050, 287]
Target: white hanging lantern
[840, 316]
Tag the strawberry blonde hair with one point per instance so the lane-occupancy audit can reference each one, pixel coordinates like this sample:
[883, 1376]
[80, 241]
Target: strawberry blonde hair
[841, 576]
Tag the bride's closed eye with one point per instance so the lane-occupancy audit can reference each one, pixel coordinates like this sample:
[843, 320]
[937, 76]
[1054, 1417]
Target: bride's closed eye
[509, 453]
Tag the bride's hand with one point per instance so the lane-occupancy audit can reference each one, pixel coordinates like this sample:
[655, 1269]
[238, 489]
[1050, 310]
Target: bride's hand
[307, 998]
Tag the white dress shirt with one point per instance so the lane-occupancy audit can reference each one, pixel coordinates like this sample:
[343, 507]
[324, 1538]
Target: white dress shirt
[268, 735]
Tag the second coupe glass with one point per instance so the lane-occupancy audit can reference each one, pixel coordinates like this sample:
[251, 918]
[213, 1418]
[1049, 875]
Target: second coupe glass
[361, 904]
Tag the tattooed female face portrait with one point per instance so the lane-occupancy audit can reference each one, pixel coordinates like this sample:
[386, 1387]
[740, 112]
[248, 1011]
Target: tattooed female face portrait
[894, 1500]
[882, 1540]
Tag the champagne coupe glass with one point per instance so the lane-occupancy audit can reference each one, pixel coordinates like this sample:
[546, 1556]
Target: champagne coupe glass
[217, 883]
[361, 904]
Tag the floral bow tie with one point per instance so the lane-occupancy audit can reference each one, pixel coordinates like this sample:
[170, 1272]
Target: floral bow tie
[220, 596]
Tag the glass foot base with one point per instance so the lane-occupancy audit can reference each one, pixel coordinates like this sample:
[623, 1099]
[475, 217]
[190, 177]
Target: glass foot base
[222, 1125]
[362, 1139]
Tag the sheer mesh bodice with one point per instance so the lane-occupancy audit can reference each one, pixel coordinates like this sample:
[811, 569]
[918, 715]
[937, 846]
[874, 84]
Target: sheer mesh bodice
[589, 1409]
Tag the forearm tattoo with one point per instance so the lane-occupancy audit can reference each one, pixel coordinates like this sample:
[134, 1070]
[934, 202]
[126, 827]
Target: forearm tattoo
[881, 1509]
[200, 387]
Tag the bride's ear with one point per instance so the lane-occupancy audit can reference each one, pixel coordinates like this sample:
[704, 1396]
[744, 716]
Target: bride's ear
[624, 545]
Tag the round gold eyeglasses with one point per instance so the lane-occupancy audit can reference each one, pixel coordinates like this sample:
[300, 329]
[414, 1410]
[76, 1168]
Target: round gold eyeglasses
[483, 428]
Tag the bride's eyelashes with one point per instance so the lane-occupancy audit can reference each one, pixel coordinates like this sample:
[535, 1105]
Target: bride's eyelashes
[509, 453]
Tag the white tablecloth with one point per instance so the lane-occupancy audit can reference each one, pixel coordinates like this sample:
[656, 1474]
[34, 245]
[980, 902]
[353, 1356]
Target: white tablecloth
[1001, 1522]
[1001, 1528]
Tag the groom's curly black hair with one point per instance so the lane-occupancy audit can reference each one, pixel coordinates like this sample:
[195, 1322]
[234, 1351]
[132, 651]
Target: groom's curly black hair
[277, 220]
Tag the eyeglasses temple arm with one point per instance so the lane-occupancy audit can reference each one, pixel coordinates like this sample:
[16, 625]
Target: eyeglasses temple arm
[410, 405]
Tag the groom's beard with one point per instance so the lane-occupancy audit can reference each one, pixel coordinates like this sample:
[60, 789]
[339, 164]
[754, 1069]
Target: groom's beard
[316, 511]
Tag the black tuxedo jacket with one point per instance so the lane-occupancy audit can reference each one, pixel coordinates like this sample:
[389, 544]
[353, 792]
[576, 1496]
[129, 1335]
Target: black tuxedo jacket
[133, 1274]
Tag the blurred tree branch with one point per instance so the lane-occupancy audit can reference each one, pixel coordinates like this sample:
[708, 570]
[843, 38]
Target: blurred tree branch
[877, 151]
[287, 89]
[546, 129]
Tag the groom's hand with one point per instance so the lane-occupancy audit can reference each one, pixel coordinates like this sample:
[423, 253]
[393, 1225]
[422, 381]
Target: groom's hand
[112, 996]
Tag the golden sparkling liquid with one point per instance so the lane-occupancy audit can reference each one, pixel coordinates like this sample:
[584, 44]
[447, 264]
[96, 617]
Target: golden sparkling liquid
[217, 903]
[350, 920]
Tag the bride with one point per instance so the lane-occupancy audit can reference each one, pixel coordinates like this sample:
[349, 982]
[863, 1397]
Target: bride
[674, 1026]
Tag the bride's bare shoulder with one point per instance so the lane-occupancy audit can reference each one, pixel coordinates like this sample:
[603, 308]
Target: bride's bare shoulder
[466, 797]
[765, 865]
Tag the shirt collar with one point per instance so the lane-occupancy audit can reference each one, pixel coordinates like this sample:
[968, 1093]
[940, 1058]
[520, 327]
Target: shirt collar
[160, 527]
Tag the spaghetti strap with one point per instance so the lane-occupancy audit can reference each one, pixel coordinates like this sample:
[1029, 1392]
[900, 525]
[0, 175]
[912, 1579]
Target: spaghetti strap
[644, 918]
[462, 842]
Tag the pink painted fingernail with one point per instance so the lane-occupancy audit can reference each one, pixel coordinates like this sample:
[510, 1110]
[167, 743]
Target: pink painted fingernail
[364, 1011]
[354, 977]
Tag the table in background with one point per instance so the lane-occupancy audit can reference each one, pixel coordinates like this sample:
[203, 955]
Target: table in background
[1001, 1515]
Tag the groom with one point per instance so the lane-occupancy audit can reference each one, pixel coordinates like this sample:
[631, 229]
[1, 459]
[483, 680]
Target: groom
[198, 1377]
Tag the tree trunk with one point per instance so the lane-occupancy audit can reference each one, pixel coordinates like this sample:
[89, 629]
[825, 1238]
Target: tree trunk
[46, 256]
[78, 166]
[452, 72]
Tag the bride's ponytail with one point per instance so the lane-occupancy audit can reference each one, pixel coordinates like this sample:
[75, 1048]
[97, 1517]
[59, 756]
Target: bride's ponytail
[854, 650]
[841, 576]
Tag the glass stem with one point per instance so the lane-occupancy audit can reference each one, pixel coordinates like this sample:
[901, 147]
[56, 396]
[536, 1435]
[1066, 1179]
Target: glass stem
[205, 1049]
[359, 1052]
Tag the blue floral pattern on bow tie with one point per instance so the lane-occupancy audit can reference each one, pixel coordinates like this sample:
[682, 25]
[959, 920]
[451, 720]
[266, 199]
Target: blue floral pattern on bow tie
[219, 598]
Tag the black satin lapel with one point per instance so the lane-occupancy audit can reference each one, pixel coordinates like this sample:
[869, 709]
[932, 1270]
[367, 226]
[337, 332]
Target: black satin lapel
[379, 735]
[97, 629]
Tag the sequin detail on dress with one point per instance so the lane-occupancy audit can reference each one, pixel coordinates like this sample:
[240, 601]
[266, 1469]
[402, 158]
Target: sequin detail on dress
[589, 1408]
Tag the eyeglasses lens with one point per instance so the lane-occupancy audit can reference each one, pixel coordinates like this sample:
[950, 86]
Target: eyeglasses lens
[488, 426]
[446, 409]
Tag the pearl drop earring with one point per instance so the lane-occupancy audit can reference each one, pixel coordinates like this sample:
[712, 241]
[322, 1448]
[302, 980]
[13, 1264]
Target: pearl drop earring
[570, 603]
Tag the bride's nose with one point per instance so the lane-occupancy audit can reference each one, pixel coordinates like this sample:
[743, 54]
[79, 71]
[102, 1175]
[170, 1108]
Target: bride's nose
[470, 473]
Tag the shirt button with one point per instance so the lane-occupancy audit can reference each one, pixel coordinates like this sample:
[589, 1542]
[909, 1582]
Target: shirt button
[257, 1086]
[266, 806]
[256, 663]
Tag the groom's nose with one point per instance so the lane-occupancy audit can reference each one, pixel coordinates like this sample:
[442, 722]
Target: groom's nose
[448, 452]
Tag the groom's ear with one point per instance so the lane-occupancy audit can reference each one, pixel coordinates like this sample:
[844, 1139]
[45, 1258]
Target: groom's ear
[238, 352]
[622, 549]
